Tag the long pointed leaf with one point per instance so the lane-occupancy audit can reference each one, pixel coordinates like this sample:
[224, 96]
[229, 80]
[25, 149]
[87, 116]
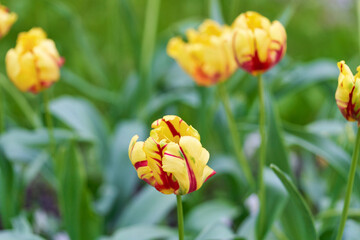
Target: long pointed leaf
[297, 220]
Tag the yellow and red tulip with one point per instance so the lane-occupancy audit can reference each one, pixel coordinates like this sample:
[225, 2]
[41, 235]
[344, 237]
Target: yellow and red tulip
[207, 55]
[258, 44]
[172, 159]
[7, 19]
[348, 93]
[34, 64]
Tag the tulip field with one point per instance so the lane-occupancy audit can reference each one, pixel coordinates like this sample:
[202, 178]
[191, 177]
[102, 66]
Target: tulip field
[179, 120]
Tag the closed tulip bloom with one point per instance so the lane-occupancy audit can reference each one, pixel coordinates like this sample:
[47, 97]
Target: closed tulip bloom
[348, 93]
[34, 64]
[207, 55]
[172, 159]
[258, 44]
[7, 19]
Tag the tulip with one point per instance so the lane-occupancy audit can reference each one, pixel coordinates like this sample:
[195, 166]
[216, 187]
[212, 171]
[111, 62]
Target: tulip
[172, 159]
[34, 64]
[7, 19]
[348, 93]
[258, 44]
[348, 101]
[207, 55]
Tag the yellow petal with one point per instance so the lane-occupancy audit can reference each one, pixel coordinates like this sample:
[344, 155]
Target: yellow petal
[262, 40]
[345, 84]
[278, 35]
[258, 44]
[22, 71]
[7, 19]
[187, 162]
[171, 128]
[34, 64]
[244, 45]
[207, 56]
[138, 159]
[47, 60]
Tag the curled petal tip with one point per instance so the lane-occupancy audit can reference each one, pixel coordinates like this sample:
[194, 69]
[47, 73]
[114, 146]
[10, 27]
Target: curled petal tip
[172, 159]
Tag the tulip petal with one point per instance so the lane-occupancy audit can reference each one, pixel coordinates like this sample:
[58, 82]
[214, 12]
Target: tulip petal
[34, 64]
[258, 44]
[164, 182]
[207, 55]
[47, 62]
[187, 162]
[7, 19]
[348, 93]
[262, 41]
[139, 161]
[172, 127]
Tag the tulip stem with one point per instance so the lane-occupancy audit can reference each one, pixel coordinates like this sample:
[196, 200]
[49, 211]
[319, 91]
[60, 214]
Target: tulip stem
[349, 187]
[180, 217]
[147, 46]
[235, 135]
[2, 111]
[262, 162]
[49, 122]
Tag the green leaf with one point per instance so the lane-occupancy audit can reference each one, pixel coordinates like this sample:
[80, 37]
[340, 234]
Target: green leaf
[12, 235]
[142, 232]
[148, 207]
[276, 151]
[352, 230]
[80, 220]
[209, 213]
[26, 145]
[337, 158]
[85, 87]
[11, 190]
[276, 198]
[20, 100]
[215, 231]
[84, 119]
[159, 102]
[306, 75]
[297, 219]
[119, 170]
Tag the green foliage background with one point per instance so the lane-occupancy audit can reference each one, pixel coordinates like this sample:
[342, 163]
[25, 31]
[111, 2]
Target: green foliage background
[117, 79]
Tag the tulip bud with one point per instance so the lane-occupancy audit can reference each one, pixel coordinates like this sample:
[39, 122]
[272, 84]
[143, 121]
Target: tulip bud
[34, 64]
[207, 55]
[258, 44]
[7, 19]
[348, 93]
[172, 159]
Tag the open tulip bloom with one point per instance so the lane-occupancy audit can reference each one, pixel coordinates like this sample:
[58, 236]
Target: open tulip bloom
[172, 159]
[207, 55]
[34, 64]
[7, 19]
[258, 44]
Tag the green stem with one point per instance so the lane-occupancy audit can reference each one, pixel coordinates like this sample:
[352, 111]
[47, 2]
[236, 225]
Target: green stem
[49, 122]
[235, 135]
[148, 45]
[349, 187]
[2, 111]
[180, 217]
[262, 161]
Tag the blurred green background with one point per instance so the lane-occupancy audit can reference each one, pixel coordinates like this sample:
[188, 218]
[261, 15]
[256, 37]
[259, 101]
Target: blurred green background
[117, 79]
